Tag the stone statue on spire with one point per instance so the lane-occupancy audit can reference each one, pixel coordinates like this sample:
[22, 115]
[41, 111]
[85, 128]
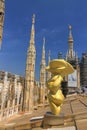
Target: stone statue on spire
[33, 19]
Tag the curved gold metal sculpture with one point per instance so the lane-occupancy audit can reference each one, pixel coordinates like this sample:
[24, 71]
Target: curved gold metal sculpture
[59, 68]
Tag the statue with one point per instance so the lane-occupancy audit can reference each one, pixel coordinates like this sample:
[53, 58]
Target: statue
[59, 68]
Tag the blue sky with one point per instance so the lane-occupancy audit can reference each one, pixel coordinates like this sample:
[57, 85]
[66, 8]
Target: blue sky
[52, 20]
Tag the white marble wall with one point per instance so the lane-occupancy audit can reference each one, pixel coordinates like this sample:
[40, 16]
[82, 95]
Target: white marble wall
[11, 96]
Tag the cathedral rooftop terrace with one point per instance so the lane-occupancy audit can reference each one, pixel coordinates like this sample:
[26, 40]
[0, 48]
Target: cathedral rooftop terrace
[74, 110]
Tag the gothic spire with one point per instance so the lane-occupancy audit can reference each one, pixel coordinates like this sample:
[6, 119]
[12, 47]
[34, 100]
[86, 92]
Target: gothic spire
[2, 11]
[33, 19]
[43, 51]
[70, 34]
[48, 73]
[48, 56]
[44, 43]
[30, 70]
[42, 74]
[70, 43]
[32, 30]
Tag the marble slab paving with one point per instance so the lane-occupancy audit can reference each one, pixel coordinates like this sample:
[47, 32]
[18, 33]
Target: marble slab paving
[64, 128]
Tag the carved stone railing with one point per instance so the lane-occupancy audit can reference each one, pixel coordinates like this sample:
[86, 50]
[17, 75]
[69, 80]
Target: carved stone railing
[8, 112]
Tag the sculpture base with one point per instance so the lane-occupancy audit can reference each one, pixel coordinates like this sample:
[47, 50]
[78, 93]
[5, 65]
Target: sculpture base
[53, 120]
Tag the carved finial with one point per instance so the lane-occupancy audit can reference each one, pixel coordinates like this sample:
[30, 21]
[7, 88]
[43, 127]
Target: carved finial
[33, 19]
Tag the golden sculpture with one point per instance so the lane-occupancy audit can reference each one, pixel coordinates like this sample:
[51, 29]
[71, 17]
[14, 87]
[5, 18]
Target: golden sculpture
[59, 68]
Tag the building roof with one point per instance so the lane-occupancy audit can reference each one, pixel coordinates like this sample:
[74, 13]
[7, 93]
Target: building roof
[74, 110]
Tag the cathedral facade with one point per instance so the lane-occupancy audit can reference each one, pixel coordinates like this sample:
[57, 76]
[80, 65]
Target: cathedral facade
[26, 94]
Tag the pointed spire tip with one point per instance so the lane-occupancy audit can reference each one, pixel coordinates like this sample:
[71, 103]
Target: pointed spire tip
[33, 19]
[70, 27]
[43, 42]
[43, 39]
[49, 53]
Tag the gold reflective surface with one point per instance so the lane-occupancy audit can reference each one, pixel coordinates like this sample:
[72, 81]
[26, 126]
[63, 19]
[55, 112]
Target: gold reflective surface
[59, 69]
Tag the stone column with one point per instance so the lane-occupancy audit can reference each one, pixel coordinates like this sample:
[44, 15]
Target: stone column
[8, 106]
